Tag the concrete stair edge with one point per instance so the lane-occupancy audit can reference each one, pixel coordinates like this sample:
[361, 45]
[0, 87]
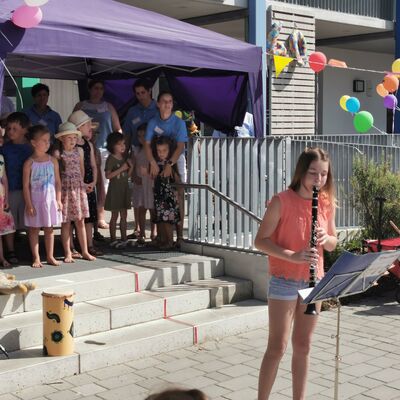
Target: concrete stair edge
[134, 342]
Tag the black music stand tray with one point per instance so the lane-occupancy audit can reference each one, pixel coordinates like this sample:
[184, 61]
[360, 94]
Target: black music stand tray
[350, 274]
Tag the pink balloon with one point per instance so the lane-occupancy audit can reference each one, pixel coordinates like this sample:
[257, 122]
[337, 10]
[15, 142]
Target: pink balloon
[27, 17]
[317, 61]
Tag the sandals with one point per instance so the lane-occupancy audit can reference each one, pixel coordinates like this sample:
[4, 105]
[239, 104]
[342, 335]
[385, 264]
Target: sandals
[98, 237]
[12, 257]
[75, 254]
[141, 241]
[134, 235]
[95, 252]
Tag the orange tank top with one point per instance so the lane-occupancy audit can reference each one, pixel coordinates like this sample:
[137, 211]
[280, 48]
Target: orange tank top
[294, 231]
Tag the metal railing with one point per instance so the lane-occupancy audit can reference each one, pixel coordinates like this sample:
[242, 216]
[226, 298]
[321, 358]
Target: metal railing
[383, 9]
[242, 174]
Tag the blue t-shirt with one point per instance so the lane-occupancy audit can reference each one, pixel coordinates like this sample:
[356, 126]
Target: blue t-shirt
[173, 127]
[14, 156]
[136, 116]
[50, 118]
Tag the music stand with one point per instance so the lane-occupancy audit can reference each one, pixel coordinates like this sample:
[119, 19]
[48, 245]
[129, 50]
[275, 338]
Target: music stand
[350, 274]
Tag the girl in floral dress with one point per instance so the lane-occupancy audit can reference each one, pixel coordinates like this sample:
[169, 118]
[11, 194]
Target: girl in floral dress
[166, 209]
[42, 194]
[6, 219]
[73, 192]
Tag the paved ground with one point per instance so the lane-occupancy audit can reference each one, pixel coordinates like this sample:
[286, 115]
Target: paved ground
[228, 369]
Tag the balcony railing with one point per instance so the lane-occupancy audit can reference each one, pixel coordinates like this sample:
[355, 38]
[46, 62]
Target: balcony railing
[383, 9]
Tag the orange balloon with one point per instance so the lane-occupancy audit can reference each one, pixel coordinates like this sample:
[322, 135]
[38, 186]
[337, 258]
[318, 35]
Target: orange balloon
[380, 89]
[391, 83]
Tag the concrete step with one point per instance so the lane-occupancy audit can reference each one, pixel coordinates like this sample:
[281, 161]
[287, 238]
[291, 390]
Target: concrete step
[28, 367]
[115, 281]
[24, 330]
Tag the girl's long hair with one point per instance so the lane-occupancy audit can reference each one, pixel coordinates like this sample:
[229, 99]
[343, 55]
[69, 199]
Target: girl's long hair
[309, 155]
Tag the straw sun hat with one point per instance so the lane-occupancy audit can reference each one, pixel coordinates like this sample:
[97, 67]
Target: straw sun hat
[67, 128]
[78, 118]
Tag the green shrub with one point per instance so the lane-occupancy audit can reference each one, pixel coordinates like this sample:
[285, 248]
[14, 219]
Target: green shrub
[371, 180]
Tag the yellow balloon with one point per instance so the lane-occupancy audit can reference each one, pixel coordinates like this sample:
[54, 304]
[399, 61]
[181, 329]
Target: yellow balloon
[396, 66]
[342, 102]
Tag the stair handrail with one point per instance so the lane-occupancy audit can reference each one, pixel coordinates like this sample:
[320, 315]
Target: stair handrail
[222, 196]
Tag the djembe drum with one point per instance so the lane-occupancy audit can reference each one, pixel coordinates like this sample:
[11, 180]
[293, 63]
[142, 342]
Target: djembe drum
[58, 323]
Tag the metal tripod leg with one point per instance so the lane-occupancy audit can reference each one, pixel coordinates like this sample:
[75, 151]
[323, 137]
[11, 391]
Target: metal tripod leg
[4, 351]
[337, 356]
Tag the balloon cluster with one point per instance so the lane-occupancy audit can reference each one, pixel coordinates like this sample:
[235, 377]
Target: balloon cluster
[363, 120]
[389, 85]
[28, 15]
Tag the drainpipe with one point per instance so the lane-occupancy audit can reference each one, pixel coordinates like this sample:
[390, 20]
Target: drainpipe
[257, 34]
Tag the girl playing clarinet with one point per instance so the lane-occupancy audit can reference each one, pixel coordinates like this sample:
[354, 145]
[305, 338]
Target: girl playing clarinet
[284, 235]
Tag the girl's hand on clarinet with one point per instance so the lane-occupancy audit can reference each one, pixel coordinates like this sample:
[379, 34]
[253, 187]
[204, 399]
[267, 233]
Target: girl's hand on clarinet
[309, 255]
[322, 236]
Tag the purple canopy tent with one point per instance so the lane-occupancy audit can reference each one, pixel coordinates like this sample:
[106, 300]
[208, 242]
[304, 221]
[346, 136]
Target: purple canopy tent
[79, 39]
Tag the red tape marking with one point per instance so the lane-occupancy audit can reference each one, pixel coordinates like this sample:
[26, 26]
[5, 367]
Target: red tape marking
[195, 329]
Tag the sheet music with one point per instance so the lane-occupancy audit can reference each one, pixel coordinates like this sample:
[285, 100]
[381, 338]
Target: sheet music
[352, 274]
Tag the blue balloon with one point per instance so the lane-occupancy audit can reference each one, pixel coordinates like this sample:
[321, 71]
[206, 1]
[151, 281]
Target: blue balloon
[353, 104]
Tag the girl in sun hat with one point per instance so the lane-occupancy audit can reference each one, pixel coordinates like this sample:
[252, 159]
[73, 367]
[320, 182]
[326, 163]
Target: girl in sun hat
[73, 191]
[84, 124]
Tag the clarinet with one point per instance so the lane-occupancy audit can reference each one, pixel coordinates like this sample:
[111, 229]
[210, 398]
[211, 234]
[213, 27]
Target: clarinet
[311, 308]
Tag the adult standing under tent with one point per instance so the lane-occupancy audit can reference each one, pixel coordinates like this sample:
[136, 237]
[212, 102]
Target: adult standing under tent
[40, 113]
[106, 116]
[212, 74]
[165, 123]
[140, 113]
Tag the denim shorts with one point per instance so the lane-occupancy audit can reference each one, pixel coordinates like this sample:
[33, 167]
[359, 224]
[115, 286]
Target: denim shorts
[284, 289]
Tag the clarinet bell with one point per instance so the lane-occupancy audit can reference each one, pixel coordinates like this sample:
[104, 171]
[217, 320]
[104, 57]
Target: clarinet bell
[311, 309]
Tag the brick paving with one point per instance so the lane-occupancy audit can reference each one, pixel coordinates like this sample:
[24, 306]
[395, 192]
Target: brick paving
[228, 369]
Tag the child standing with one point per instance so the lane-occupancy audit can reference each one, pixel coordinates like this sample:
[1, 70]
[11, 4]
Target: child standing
[142, 193]
[16, 151]
[6, 219]
[73, 192]
[84, 124]
[166, 209]
[42, 194]
[118, 199]
[284, 235]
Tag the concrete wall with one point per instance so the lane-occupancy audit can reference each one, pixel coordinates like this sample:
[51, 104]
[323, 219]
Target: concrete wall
[239, 265]
[337, 82]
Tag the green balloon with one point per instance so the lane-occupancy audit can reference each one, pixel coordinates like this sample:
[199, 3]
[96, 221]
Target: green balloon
[363, 121]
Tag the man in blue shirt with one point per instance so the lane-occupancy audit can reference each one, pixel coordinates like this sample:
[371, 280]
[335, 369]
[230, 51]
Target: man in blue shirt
[40, 113]
[140, 113]
[167, 123]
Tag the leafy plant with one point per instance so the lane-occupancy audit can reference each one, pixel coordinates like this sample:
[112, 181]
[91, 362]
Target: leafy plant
[372, 180]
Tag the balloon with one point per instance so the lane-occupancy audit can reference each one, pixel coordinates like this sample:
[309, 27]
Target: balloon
[353, 104]
[390, 101]
[317, 61]
[391, 83]
[380, 89]
[27, 17]
[35, 3]
[396, 66]
[342, 102]
[363, 121]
